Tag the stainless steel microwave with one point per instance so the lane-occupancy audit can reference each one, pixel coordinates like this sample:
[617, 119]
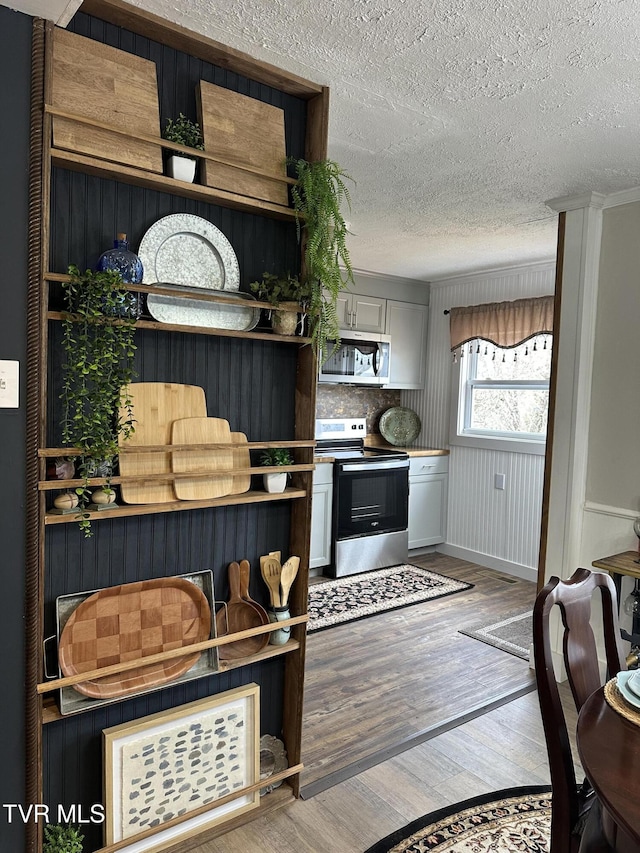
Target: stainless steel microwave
[362, 358]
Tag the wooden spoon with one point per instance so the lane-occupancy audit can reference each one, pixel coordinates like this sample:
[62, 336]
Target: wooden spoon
[287, 577]
[245, 573]
[271, 569]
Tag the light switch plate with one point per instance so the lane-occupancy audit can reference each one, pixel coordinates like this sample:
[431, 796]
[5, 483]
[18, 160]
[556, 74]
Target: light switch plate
[9, 384]
[498, 481]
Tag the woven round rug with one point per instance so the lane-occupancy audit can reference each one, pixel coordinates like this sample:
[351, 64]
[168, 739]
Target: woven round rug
[515, 820]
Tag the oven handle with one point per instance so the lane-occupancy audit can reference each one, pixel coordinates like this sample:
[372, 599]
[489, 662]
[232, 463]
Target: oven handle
[374, 466]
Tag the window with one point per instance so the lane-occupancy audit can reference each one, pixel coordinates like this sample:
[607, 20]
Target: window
[503, 394]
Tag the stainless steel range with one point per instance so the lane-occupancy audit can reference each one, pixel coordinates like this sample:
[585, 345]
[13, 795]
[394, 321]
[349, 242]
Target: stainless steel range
[370, 498]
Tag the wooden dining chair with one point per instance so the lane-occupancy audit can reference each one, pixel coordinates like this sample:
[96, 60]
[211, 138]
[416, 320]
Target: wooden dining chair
[577, 823]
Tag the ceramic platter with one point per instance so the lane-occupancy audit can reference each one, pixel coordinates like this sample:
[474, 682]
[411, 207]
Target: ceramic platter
[187, 251]
[400, 426]
[625, 685]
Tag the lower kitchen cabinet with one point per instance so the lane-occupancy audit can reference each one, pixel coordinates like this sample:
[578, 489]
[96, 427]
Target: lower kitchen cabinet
[407, 324]
[321, 508]
[428, 476]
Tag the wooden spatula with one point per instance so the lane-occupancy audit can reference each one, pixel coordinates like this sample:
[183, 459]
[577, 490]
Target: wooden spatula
[270, 568]
[287, 577]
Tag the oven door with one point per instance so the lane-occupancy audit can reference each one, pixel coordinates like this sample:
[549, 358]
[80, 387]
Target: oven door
[371, 498]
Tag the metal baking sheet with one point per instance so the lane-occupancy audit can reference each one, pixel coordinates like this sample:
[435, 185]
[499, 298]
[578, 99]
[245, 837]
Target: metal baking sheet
[72, 702]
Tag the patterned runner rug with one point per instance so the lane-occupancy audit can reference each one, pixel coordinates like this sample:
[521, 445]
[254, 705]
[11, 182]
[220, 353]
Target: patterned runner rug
[515, 819]
[513, 634]
[358, 596]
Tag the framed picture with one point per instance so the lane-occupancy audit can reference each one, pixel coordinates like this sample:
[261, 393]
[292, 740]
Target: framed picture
[161, 768]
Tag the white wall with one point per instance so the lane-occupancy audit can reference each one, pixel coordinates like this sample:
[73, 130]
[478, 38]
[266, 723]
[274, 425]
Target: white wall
[499, 529]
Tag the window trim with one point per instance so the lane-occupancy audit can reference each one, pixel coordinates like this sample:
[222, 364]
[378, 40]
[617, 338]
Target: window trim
[495, 441]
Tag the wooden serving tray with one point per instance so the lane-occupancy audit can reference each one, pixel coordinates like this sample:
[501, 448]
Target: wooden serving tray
[131, 621]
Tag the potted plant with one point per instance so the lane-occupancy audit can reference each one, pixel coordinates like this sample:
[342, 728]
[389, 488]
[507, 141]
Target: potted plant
[183, 131]
[275, 482]
[98, 345]
[62, 839]
[283, 292]
[318, 197]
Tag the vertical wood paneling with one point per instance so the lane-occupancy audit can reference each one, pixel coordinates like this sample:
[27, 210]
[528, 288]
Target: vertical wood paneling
[481, 518]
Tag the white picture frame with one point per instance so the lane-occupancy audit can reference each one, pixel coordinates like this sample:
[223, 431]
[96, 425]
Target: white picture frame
[164, 773]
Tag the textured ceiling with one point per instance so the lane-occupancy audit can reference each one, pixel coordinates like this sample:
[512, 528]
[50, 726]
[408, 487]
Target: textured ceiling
[456, 118]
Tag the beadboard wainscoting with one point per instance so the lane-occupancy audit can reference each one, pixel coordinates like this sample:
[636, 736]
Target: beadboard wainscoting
[496, 528]
[499, 529]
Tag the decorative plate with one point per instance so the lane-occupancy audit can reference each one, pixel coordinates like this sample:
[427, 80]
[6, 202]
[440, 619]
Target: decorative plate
[622, 679]
[211, 315]
[186, 249]
[273, 759]
[400, 426]
[633, 683]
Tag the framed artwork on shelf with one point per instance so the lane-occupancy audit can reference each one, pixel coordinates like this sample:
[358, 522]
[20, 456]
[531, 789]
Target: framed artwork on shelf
[164, 773]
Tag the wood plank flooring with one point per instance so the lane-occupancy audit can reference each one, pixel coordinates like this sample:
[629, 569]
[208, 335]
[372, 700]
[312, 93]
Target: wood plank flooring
[390, 679]
[501, 749]
[383, 682]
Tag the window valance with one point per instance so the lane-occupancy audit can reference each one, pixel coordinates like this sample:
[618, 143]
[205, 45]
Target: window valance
[503, 324]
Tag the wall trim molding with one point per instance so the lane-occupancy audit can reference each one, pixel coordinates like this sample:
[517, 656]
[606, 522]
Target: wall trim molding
[527, 573]
[575, 202]
[616, 512]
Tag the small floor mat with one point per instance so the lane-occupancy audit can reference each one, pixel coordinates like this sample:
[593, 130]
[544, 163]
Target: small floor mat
[513, 634]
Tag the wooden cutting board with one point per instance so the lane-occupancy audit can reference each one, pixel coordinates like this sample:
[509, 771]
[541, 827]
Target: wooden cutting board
[100, 82]
[131, 621]
[241, 459]
[156, 405]
[246, 132]
[202, 431]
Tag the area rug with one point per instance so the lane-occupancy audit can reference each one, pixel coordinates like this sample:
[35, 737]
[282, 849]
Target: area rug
[508, 821]
[358, 596]
[512, 634]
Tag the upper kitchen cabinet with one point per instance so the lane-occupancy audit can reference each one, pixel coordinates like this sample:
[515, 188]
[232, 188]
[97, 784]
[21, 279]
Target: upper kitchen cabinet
[362, 313]
[407, 325]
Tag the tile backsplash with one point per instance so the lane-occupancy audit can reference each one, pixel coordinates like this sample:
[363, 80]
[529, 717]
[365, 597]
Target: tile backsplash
[355, 401]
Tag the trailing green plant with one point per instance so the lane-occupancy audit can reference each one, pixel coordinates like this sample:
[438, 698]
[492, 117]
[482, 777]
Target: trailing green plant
[276, 456]
[318, 198]
[62, 839]
[183, 131]
[98, 344]
[284, 288]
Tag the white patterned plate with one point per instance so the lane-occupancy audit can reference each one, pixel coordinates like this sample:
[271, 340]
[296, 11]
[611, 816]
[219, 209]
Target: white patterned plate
[622, 679]
[189, 250]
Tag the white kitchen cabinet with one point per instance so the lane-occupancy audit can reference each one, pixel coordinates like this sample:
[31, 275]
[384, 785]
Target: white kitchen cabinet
[362, 313]
[407, 324]
[321, 508]
[428, 476]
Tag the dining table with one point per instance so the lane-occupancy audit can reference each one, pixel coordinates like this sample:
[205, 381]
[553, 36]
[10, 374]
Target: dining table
[609, 749]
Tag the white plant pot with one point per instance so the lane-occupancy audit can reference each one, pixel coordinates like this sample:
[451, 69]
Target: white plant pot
[181, 168]
[274, 483]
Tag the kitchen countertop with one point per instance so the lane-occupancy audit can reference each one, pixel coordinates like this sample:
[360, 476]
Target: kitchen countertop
[376, 440]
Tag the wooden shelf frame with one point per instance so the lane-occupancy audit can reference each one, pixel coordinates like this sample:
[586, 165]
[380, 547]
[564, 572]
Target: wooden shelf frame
[42, 159]
[170, 654]
[121, 511]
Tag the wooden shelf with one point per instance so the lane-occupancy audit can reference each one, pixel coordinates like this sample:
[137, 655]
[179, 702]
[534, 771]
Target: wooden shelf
[178, 506]
[150, 180]
[275, 799]
[51, 712]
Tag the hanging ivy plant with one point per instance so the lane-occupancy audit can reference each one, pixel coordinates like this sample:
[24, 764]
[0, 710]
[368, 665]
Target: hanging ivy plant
[98, 343]
[318, 198]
